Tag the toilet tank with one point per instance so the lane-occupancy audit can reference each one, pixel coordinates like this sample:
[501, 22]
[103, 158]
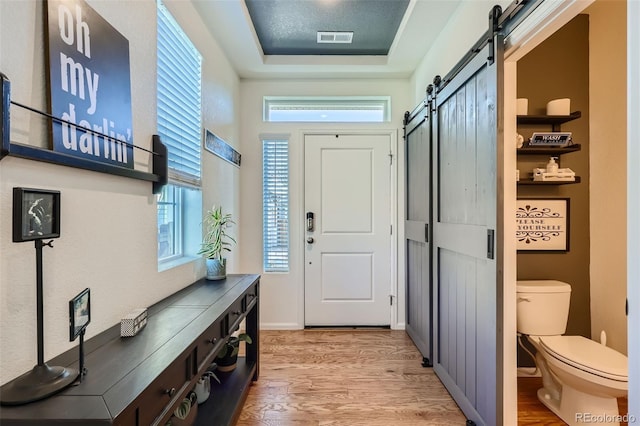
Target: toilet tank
[542, 307]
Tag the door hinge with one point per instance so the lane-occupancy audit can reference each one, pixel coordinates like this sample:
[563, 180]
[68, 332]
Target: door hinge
[390, 158]
[490, 243]
[390, 229]
[391, 300]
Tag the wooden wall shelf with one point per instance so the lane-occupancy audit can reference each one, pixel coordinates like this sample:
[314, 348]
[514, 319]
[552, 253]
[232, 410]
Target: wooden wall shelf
[545, 150]
[158, 176]
[554, 120]
[534, 182]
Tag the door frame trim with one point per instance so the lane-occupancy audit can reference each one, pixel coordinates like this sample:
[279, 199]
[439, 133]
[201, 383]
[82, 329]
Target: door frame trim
[396, 314]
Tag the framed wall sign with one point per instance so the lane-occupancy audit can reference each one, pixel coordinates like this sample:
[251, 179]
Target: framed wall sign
[90, 85]
[79, 313]
[219, 147]
[36, 214]
[542, 224]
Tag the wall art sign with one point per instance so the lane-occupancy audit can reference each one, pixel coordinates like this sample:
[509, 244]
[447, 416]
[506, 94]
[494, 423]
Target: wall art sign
[90, 86]
[542, 224]
[560, 139]
[217, 146]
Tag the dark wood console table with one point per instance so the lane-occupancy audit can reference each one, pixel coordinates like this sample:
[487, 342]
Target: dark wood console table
[140, 380]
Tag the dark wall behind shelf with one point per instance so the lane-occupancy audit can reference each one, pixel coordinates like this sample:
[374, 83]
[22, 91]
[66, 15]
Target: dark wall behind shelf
[559, 68]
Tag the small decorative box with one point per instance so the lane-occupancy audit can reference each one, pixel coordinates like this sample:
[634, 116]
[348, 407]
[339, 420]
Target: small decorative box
[133, 322]
[563, 175]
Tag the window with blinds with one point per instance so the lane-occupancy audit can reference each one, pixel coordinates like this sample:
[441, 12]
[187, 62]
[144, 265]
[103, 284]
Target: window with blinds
[179, 100]
[336, 109]
[275, 204]
[179, 127]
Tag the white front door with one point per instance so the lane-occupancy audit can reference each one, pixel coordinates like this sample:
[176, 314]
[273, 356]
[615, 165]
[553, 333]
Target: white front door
[348, 251]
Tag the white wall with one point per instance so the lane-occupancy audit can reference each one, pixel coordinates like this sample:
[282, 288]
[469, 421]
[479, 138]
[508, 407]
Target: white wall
[465, 27]
[608, 170]
[108, 227]
[282, 303]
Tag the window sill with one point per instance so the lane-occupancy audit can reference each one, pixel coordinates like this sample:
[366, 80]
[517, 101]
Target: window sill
[170, 264]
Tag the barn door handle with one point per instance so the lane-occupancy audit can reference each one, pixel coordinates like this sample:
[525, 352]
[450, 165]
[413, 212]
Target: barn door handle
[490, 243]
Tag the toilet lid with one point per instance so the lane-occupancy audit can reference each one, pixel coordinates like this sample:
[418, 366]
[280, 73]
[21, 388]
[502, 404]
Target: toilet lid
[588, 355]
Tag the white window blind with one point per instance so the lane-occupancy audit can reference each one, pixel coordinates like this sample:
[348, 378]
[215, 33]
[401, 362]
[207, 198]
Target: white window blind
[275, 204]
[345, 109]
[179, 99]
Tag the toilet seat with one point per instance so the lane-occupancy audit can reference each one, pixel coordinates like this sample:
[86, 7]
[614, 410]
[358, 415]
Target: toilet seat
[588, 356]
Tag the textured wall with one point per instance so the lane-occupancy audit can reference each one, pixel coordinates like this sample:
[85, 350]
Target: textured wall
[108, 226]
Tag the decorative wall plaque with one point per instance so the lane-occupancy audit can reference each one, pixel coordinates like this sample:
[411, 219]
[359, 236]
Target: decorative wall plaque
[219, 147]
[542, 224]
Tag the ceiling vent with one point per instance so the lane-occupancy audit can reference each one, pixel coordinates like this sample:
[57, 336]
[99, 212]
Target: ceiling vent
[335, 37]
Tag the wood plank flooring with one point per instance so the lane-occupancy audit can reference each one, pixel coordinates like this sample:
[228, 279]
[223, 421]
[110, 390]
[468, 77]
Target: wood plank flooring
[360, 377]
[345, 377]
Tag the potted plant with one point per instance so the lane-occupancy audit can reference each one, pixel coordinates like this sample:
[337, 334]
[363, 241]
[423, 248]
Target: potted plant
[228, 355]
[215, 242]
[186, 412]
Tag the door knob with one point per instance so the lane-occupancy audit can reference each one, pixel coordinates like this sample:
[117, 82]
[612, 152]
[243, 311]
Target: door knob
[310, 240]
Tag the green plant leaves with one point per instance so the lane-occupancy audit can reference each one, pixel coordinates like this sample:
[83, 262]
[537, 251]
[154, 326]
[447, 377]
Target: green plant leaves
[232, 347]
[216, 240]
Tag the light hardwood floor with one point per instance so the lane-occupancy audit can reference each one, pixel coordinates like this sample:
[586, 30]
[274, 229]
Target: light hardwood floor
[359, 377]
[345, 377]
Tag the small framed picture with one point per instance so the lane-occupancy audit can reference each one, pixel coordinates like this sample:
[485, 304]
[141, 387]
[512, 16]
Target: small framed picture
[542, 224]
[79, 313]
[36, 214]
[554, 139]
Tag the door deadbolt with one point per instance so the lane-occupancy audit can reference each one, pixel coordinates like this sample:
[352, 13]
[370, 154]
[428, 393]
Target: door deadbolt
[310, 240]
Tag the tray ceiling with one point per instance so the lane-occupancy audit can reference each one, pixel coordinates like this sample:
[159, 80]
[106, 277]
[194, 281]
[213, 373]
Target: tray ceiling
[278, 38]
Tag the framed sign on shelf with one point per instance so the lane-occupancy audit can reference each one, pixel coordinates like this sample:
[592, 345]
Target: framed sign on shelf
[542, 224]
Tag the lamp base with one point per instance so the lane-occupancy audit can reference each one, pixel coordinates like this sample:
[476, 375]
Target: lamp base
[39, 383]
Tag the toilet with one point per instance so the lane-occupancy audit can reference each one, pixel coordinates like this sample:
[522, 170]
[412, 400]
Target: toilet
[581, 378]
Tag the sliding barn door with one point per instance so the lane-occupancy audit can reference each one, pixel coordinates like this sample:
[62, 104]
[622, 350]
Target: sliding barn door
[417, 227]
[468, 353]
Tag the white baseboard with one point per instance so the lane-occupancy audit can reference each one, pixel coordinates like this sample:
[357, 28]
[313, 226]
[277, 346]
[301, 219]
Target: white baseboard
[399, 326]
[280, 326]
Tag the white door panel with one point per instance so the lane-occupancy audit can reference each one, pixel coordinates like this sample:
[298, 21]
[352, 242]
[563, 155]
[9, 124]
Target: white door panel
[348, 254]
[347, 197]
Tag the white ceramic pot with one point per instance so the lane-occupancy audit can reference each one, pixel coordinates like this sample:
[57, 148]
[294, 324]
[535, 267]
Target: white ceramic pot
[216, 269]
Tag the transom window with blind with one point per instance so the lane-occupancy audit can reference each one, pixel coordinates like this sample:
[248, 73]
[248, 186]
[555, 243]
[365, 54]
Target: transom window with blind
[179, 127]
[333, 109]
[275, 204]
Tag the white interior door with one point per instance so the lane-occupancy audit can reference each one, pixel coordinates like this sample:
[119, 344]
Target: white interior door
[348, 252]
